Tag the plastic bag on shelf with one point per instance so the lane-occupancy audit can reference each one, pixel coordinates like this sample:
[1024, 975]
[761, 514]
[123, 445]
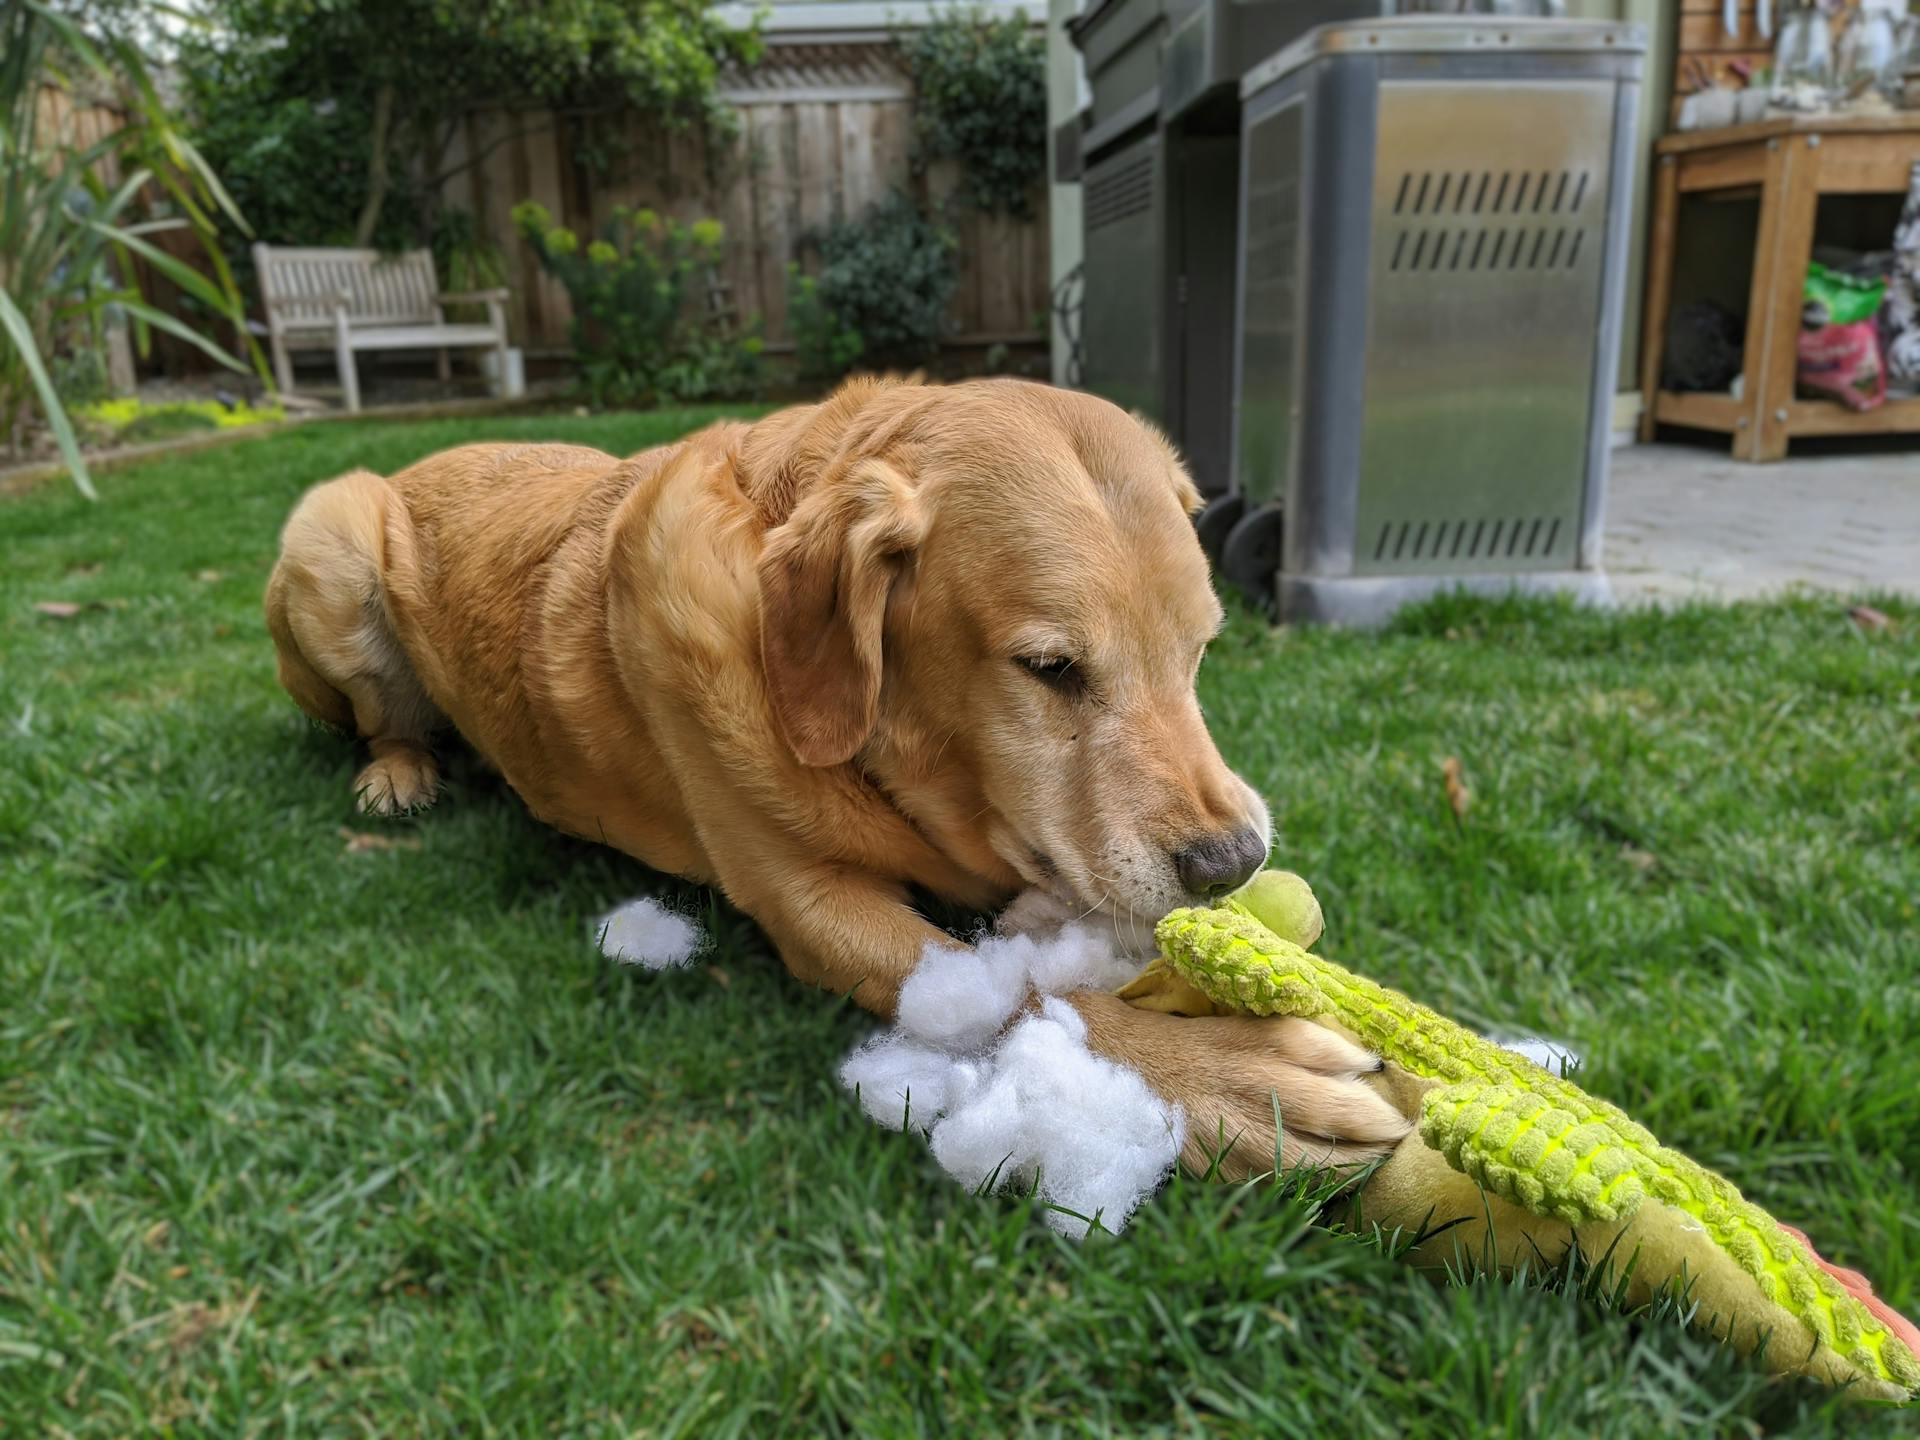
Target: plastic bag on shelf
[1839, 343]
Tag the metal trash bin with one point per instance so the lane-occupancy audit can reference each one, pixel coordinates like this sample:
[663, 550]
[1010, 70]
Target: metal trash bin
[1160, 163]
[1433, 223]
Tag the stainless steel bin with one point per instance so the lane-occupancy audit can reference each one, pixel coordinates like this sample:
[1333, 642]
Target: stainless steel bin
[1432, 251]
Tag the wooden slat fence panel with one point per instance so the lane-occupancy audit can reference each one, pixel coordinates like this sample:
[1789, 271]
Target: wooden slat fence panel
[792, 167]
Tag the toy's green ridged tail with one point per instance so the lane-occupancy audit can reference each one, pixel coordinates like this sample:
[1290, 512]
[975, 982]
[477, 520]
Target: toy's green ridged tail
[1530, 1137]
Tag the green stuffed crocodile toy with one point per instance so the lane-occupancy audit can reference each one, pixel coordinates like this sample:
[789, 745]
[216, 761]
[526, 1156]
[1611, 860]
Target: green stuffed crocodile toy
[1525, 1163]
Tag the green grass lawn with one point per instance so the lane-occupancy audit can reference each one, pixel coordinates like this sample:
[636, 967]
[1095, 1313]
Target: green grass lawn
[308, 1138]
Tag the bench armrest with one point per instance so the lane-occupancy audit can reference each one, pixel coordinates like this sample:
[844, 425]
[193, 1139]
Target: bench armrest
[495, 301]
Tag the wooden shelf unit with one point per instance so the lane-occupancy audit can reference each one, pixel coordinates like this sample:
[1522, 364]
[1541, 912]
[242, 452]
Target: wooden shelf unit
[1789, 164]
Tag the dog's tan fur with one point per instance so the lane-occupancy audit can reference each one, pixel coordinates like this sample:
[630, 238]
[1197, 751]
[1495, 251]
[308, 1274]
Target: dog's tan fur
[784, 658]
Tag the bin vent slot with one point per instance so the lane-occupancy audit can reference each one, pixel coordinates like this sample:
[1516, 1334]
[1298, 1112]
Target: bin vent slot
[1475, 539]
[1491, 247]
[1116, 193]
[1491, 192]
[1475, 220]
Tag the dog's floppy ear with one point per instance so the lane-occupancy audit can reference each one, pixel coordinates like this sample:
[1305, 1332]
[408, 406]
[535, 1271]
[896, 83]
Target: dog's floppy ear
[825, 576]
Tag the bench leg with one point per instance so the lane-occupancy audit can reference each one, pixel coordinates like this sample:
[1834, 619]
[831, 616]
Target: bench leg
[443, 365]
[349, 376]
[282, 364]
[343, 360]
[497, 317]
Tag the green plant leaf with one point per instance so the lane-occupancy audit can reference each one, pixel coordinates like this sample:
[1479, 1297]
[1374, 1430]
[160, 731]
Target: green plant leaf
[180, 273]
[21, 335]
[160, 320]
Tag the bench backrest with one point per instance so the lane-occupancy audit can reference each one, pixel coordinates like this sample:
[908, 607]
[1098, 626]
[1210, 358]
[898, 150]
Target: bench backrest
[303, 286]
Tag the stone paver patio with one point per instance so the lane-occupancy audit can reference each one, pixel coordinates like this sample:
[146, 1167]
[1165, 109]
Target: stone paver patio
[1687, 521]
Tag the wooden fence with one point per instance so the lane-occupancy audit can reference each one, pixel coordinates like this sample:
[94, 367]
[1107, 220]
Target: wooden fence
[63, 118]
[803, 158]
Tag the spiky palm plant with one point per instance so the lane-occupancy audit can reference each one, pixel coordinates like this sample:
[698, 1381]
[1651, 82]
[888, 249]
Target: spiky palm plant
[70, 235]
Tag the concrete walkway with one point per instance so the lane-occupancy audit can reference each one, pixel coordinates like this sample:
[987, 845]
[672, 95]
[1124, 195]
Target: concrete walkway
[1686, 521]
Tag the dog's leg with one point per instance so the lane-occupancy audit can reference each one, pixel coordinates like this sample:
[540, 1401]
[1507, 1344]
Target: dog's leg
[845, 931]
[339, 657]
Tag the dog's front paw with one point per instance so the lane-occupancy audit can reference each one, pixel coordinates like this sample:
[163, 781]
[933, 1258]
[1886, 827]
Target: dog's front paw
[1229, 1074]
[1330, 1114]
[399, 781]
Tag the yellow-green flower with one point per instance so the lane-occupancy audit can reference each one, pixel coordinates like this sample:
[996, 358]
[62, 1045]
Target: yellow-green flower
[601, 253]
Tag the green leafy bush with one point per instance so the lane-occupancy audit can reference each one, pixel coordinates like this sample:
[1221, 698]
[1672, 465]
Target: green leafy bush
[636, 328]
[130, 421]
[398, 78]
[887, 279]
[466, 260]
[295, 168]
[825, 347]
[980, 97]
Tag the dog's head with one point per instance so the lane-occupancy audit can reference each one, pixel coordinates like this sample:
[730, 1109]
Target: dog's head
[990, 597]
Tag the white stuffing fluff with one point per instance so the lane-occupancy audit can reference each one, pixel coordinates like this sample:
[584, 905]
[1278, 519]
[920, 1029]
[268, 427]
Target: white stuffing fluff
[959, 999]
[898, 1080]
[1030, 1105]
[645, 932]
[1079, 959]
[1549, 1055]
[1091, 1134]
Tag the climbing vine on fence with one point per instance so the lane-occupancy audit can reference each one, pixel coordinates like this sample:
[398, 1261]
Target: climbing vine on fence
[980, 97]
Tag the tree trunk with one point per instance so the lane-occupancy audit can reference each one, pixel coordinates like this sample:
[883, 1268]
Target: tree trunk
[434, 141]
[377, 179]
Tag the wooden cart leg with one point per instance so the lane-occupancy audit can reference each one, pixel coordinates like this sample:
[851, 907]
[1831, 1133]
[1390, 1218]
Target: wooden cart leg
[1653, 324]
[1788, 200]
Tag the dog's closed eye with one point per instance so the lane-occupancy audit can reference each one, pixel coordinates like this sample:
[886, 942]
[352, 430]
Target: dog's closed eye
[1060, 673]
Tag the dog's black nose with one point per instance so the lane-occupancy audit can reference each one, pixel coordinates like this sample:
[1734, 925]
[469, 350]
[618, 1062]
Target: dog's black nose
[1220, 864]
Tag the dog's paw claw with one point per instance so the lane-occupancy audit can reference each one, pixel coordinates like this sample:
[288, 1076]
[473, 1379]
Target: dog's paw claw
[394, 785]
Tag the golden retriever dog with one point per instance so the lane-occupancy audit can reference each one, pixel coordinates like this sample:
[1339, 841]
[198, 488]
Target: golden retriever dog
[916, 636]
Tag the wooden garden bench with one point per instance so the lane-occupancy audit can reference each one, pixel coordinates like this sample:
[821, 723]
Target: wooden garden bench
[360, 300]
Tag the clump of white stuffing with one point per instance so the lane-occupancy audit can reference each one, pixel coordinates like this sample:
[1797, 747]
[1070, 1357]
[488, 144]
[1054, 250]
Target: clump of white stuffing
[1029, 1105]
[644, 932]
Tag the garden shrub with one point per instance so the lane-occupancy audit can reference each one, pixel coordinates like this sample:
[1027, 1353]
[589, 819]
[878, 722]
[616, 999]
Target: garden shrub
[296, 168]
[886, 278]
[132, 421]
[638, 331]
[466, 260]
[980, 97]
[825, 347]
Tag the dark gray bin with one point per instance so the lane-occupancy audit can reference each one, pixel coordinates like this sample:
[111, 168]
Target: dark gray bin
[1159, 151]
